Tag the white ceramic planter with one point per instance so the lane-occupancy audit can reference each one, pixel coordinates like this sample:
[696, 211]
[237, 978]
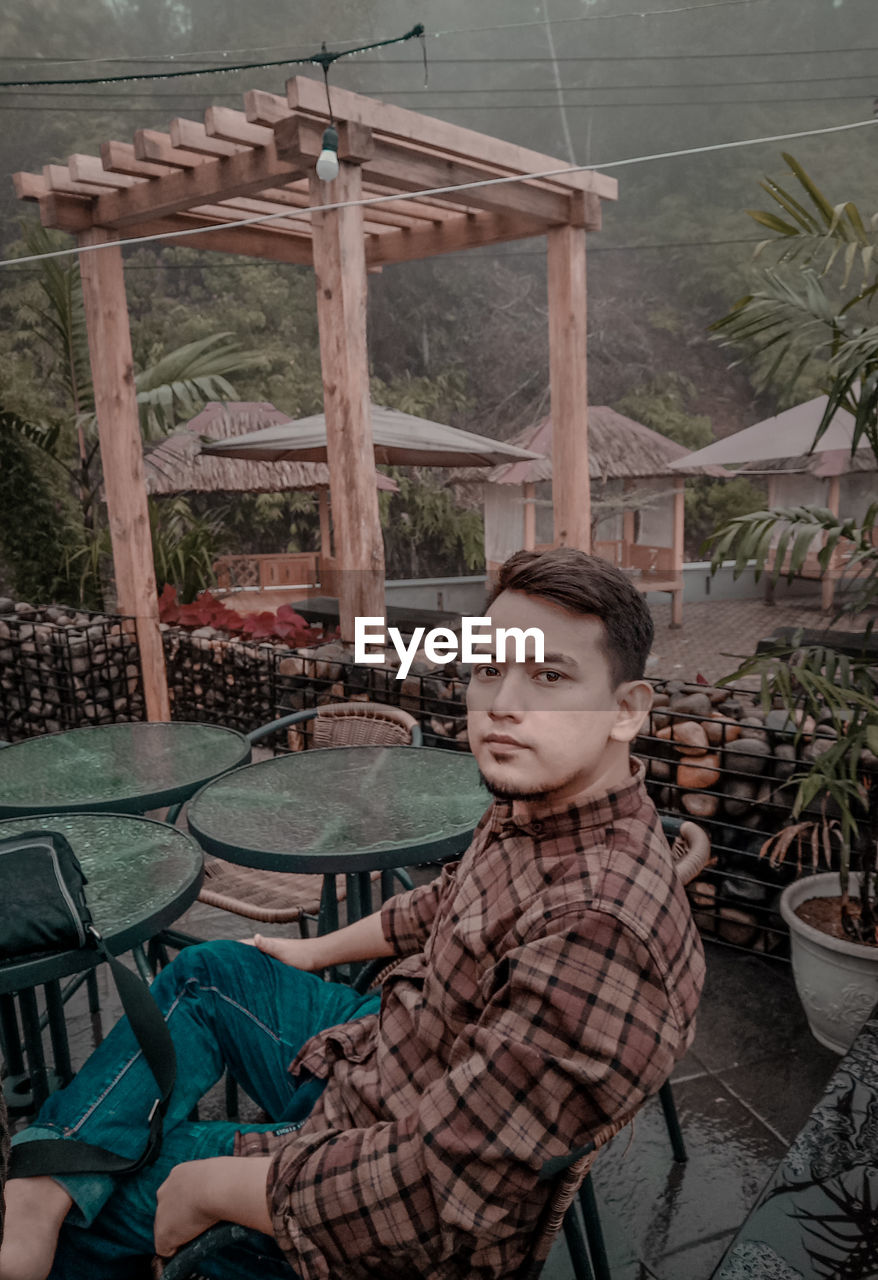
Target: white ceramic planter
[837, 980]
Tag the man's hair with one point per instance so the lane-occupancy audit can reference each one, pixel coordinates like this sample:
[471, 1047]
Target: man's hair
[588, 585]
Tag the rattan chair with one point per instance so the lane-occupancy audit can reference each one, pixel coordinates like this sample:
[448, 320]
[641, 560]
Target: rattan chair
[282, 897]
[572, 1205]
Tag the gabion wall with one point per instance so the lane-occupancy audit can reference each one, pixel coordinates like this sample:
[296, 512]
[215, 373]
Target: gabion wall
[712, 755]
[63, 668]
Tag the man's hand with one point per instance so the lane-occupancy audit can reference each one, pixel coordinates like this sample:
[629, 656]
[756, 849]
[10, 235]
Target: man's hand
[363, 940]
[301, 953]
[199, 1193]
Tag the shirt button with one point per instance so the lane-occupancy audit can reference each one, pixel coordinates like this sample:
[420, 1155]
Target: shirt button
[536, 826]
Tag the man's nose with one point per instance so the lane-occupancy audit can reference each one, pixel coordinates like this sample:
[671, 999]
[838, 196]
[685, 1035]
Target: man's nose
[506, 702]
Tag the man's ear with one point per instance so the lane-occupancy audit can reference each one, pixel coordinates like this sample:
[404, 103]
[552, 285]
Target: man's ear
[633, 700]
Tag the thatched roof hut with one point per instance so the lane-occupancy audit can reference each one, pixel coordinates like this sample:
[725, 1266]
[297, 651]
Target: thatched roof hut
[178, 466]
[636, 500]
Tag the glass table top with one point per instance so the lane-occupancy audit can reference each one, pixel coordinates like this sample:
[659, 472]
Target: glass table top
[120, 767]
[141, 874]
[342, 809]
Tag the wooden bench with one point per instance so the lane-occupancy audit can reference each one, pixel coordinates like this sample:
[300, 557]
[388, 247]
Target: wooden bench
[818, 1216]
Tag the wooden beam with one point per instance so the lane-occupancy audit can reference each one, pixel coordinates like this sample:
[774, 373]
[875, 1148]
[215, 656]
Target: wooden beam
[467, 231]
[214, 180]
[90, 169]
[307, 95]
[30, 186]
[119, 157]
[65, 212]
[191, 135]
[59, 178]
[157, 147]
[265, 108]
[571, 489]
[112, 371]
[340, 268]
[74, 213]
[233, 126]
[402, 169]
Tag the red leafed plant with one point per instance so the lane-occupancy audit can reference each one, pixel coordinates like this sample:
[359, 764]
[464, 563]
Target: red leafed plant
[207, 611]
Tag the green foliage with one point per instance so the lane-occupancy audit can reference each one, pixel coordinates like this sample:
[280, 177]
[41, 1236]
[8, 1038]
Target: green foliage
[810, 307]
[185, 545]
[426, 533]
[802, 311]
[182, 381]
[38, 523]
[661, 405]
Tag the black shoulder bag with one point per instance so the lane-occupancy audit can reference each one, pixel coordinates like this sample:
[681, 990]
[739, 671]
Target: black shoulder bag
[43, 908]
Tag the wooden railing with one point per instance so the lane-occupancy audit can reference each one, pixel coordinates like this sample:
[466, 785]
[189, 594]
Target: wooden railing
[267, 572]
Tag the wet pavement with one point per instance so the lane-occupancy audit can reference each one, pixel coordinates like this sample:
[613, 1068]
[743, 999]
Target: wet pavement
[743, 1092]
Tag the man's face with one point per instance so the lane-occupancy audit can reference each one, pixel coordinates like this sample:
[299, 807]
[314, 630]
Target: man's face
[553, 728]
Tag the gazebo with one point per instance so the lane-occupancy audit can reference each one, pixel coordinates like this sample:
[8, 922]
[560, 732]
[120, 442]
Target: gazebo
[179, 464]
[800, 473]
[636, 500]
[209, 175]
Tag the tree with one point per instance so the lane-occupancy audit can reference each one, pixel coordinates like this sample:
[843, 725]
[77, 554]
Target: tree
[812, 305]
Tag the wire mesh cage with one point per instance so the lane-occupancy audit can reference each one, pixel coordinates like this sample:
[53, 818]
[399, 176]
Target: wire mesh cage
[61, 669]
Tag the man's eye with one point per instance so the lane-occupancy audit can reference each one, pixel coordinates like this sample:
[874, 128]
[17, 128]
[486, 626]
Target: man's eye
[486, 672]
[550, 677]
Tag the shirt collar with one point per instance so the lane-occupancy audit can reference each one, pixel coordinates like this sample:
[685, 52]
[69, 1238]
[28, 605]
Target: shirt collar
[578, 812]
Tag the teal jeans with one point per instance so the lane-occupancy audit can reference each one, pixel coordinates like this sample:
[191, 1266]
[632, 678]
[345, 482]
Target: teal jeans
[227, 1007]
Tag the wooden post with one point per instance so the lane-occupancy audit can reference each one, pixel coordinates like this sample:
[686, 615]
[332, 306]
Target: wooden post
[827, 582]
[770, 500]
[571, 496]
[677, 550]
[112, 371]
[628, 538]
[530, 516]
[340, 268]
[325, 526]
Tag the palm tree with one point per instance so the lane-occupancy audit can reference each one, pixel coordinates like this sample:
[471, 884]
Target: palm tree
[812, 308]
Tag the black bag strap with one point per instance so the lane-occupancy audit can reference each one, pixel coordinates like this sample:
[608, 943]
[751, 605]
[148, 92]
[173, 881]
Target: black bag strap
[50, 1156]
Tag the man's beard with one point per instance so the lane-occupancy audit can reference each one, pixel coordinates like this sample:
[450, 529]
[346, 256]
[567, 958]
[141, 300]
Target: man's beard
[503, 792]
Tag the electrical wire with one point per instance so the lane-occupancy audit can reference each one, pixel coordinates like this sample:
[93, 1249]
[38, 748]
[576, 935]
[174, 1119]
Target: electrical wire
[223, 53]
[529, 106]
[387, 62]
[322, 59]
[127, 94]
[504, 180]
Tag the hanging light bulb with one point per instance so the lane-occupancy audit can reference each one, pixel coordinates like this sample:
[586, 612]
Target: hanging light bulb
[327, 161]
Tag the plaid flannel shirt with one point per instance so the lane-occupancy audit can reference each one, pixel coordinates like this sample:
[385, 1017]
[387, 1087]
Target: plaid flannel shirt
[549, 982]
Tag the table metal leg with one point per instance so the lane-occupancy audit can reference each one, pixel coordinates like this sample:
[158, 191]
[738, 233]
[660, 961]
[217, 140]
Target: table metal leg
[33, 1046]
[16, 1086]
[142, 964]
[58, 1032]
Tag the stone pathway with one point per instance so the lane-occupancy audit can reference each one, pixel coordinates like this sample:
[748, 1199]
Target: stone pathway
[717, 634]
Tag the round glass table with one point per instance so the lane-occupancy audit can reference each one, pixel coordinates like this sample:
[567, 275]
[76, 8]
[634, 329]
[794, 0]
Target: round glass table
[120, 768]
[349, 809]
[142, 875]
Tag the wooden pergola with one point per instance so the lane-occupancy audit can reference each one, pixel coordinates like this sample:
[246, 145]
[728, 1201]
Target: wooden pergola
[260, 161]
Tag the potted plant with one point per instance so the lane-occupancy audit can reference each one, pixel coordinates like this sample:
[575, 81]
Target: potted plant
[812, 308]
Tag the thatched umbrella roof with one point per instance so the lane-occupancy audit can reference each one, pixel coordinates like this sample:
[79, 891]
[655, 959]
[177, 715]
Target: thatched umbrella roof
[177, 465]
[618, 447]
[399, 439]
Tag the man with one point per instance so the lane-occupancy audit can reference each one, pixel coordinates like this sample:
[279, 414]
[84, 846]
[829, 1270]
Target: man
[548, 983]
